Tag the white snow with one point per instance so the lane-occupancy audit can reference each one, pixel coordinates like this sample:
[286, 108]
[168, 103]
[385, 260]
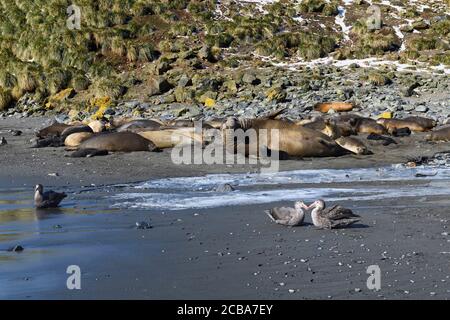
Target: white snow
[339, 20]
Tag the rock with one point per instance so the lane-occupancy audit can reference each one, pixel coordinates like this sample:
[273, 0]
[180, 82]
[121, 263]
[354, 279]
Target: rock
[3, 141]
[421, 108]
[184, 81]
[250, 78]
[143, 225]
[276, 93]
[15, 133]
[226, 187]
[17, 248]
[158, 85]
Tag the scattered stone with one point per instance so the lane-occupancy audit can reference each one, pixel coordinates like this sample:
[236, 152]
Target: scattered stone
[17, 248]
[226, 187]
[143, 225]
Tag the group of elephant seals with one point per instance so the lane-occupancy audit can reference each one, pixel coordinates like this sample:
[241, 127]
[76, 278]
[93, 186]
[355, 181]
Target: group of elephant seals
[118, 142]
[294, 140]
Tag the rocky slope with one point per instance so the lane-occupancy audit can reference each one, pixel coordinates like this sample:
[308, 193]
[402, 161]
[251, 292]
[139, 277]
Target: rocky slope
[216, 58]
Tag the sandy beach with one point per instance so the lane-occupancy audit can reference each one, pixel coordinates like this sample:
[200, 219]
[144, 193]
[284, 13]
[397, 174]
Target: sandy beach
[227, 250]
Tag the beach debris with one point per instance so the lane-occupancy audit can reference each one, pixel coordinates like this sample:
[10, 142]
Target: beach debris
[288, 216]
[226, 187]
[142, 225]
[3, 141]
[16, 248]
[48, 199]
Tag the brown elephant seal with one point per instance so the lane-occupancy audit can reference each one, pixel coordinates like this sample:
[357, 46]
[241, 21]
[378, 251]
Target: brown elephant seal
[118, 141]
[326, 126]
[393, 124]
[139, 125]
[294, 140]
[442, 134]
[54, 129]
[367, 125]
[354, 145]
[170, 138]
[75, 139]
[74, 129]
[424, 122]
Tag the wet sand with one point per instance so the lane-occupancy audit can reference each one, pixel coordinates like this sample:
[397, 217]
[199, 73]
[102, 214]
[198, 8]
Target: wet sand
[228, 252]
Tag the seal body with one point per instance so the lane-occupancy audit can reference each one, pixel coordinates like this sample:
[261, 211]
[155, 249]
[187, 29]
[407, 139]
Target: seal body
[354, 145]
[442, 134]
[170, 138]
[367, 125]
[75, 139]
[54, 129]
[395, 124]
[74, 129]
[139, 125]
[118, 141]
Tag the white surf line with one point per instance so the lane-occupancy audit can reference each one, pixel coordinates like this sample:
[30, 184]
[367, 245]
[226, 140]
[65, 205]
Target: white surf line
[339, 20]
[313, 176]
[198, 200]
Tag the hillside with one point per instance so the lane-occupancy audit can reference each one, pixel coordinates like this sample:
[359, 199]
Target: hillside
[204, 58]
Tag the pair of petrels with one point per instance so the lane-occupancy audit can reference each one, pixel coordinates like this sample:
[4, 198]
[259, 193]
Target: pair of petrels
[322, 217]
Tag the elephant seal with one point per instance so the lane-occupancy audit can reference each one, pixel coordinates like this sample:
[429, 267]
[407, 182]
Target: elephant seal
[367, 125]
[139, 125]
[326, 126]
[424, 122]
[75, 139]
[74, 129]
[442, 134]
[354, 145]
[293, 139]
[54, 129]
[392, 124]
[118, 141]
[173, 137]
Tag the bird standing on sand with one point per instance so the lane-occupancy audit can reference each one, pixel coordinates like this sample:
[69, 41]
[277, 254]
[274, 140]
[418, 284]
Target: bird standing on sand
[48, 199]
[287, 216]
[331, 218]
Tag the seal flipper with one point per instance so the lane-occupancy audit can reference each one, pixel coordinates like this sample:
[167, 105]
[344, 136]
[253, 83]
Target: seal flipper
[87, 153]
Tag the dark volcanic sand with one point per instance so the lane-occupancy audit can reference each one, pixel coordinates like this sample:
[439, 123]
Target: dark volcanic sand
[227, 252]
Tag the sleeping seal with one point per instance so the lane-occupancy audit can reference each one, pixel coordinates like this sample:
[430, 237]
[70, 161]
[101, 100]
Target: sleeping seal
[442, 134]
[139, 125]
[118, 141]
[354, 145]
[392, 124]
